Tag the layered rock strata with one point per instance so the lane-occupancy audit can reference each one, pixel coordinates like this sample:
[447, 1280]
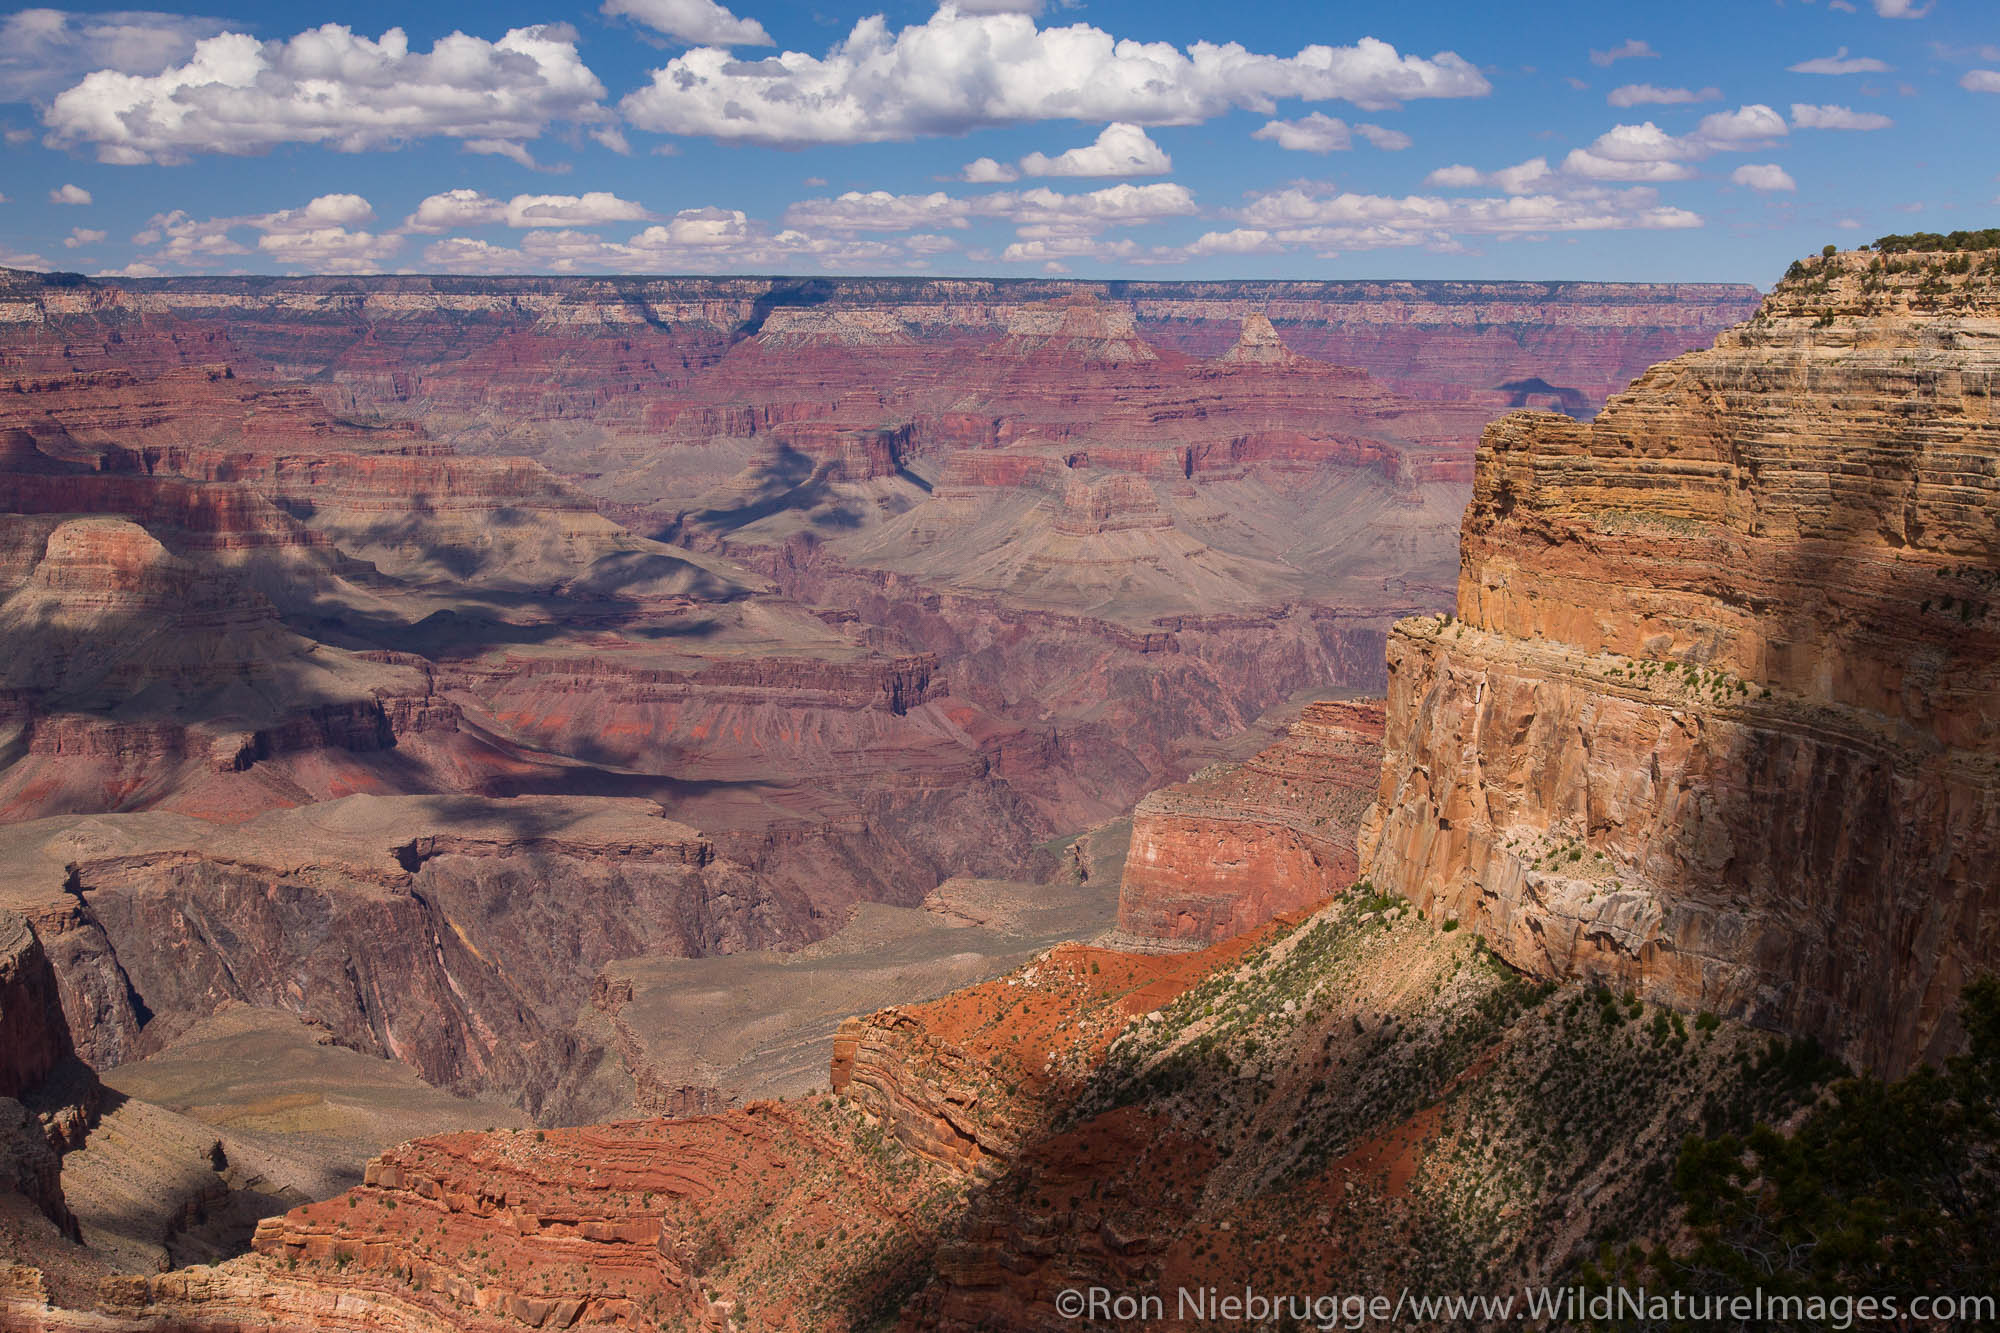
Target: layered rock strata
[456, 935]
[1720, 716]
[1044, 492]
[550, 347]
[1238, 844]
[1406, 1113]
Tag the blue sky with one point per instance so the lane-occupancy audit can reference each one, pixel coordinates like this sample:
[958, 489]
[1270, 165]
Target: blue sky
[1703, 140]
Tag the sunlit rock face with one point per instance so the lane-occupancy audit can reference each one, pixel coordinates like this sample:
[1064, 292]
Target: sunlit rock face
[1238, 844]
[1719, 716]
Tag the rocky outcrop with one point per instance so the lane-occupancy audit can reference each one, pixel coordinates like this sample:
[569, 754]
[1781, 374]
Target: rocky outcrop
[1259, 345]
[1238, 844]
[37, 1122]
[1078, 329]
[34, 1037]
[1144, 1123]
[1718, 718]
[931, 1094]
[457, 936]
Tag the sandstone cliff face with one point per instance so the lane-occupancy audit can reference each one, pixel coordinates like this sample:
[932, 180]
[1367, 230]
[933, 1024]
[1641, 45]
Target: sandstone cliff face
[1721, 715]
[1238, 844]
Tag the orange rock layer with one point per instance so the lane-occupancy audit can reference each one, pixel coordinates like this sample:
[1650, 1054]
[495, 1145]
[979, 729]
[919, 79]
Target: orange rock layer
[1720, 718]
[1238, 844]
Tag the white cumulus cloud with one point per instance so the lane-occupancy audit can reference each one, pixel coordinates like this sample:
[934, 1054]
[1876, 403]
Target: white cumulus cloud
[1746, 124]
[1901, 9]
[1646, 153]
[453, 210]
[712, 240]
[81, 236]
[1840, 63]
[571, 210]
[1981, 81]
[1630, 49]
[1645, 94]
[962, 71]
[1527, 177]
[328, 210]
[987, 171]
[1039, 213]
[1239, 241]
[320, 236]
[1634, 153]
[1055, 250]
[702, 21]
[1389, 141]
[330, 86]
[69, 194]
[187, 242]
[1321, 133]
[1317, 133]
[1296, 218]
[1837, 118]
[1767, 177]
[1122, 149]
[330, 249]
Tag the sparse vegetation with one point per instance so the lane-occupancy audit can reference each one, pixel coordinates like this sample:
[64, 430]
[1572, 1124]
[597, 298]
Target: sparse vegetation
[1886, 1189]
[1987, 238]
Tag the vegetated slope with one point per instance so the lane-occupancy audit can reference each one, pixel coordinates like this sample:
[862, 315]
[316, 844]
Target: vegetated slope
[1360, 1100]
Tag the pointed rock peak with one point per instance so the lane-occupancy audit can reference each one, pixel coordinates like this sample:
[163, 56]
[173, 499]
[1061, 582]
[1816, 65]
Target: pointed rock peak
[1259, 344]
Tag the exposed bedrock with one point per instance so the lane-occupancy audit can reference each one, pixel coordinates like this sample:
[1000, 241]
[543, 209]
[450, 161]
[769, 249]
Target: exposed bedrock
[483, 352]
[1238, 844]
[456, 935]
[1721, 720]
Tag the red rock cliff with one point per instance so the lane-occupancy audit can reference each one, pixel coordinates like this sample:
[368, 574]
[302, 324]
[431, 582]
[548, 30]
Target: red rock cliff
[1721, 718]
[1238, 844]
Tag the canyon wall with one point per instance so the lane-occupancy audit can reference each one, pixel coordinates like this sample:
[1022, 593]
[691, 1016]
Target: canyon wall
[1351, 1098]
[618, 346]
[1719, 717]
[1238, 844]
[33, 1035]
[459, 936]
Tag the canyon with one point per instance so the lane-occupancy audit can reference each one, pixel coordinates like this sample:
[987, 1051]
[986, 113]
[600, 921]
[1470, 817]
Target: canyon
[841, 648]
[1108, 520]
[866, 585]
